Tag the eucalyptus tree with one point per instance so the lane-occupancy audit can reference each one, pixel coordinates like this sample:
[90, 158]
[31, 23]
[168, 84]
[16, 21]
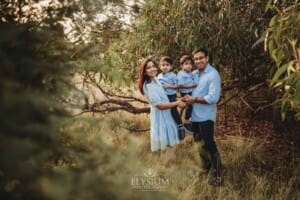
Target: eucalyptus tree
[281, 41]
[228, 29]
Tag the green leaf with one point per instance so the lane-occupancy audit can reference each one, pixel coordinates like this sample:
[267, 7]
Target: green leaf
[274, 55]
[296, 97]
[277, 33]
[260, 40]
[271, 46]
[268, 6]
[279, 72]
[273, 21]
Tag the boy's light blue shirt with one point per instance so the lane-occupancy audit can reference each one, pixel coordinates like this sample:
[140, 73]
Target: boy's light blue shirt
[185, 78]
[168, 78]
[209, 87]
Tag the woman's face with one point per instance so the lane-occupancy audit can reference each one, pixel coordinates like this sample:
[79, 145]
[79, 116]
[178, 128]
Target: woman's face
[151, 70]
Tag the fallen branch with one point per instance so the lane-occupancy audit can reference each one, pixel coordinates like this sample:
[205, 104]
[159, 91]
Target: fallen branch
[247, 104]
[111, 105]
[136, 130]
[115, 102]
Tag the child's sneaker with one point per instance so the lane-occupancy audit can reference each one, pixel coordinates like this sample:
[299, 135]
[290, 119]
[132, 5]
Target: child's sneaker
[188, 128]
[181, 132]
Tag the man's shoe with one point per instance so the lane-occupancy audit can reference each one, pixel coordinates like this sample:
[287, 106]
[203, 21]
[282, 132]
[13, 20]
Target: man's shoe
[203, 171]
[188, 128]
[217, 181]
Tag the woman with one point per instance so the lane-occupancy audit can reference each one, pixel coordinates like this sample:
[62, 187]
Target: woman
[164, 130]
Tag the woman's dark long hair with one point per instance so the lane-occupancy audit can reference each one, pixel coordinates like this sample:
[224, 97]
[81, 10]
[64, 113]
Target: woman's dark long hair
[142, 77]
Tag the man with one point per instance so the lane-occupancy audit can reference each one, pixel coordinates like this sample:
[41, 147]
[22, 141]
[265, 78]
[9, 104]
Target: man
[204, 99]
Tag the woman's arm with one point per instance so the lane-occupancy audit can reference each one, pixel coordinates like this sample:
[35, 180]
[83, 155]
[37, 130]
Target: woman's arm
[190, 100]
[164, 106]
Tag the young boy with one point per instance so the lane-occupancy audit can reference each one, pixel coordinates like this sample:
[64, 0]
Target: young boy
[186, 83]
[168, 80]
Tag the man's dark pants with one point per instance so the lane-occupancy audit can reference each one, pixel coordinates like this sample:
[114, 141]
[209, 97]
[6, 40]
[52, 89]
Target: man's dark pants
[209, 152]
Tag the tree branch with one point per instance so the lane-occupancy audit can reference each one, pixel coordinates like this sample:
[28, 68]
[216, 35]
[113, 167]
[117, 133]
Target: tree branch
[109, 95]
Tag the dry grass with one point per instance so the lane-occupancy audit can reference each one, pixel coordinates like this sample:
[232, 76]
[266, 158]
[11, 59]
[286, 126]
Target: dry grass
[246, 174]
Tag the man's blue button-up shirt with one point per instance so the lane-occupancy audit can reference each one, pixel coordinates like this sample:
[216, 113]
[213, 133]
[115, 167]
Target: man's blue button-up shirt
[209, 87]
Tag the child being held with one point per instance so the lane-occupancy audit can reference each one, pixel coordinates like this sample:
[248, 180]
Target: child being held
[168, 80]
[186, 83]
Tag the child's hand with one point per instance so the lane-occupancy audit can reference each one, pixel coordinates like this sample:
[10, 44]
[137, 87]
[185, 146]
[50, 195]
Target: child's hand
[170, 86]
[167, 86]
[181, 104]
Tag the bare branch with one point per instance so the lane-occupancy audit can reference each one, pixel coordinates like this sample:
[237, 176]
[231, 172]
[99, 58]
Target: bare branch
[222, 103]
[109, 95]
[246, 103]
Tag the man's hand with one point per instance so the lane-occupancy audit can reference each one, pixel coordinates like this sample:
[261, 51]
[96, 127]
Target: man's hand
[188, 99]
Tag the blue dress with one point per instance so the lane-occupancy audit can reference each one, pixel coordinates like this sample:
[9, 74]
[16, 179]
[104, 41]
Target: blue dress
[164, 130]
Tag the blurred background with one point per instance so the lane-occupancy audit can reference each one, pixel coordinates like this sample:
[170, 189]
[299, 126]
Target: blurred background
[73, 125]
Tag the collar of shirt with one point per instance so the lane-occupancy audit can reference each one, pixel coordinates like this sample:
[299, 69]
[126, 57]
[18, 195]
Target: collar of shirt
[206, 69]
[185, 72]
[165, 74]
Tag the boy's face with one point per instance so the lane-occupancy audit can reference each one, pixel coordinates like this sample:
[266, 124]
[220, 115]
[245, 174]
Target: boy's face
[187, 66]
[165, 66]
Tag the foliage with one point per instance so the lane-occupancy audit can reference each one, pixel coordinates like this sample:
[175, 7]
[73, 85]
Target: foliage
[38, 151]
[228, 29]
[35, 74]
[282, 43]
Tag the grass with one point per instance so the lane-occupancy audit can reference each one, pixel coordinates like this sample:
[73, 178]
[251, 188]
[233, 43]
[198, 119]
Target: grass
[248, 172]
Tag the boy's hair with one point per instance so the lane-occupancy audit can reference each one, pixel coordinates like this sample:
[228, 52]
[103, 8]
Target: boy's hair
[204, 51]
[185, 58]
[168, 59]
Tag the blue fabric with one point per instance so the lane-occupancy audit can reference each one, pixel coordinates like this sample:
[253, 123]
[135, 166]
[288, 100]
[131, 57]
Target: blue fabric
[209, 87]
[168, 78]
[185, 78]
[164, 130]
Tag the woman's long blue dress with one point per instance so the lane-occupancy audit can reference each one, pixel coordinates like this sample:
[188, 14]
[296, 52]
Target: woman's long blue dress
[164, 130]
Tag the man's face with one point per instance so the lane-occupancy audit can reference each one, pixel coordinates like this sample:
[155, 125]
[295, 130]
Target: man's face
[200, 60]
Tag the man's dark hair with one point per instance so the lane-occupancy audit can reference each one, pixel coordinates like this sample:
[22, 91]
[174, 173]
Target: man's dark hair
[204, 51]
